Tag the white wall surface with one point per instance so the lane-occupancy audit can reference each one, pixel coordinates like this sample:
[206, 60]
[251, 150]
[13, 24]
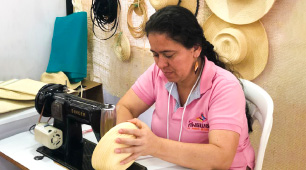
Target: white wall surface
[26, 30]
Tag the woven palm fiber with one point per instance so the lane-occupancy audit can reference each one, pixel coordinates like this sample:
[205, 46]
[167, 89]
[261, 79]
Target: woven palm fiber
[103, 65]
[283, 78]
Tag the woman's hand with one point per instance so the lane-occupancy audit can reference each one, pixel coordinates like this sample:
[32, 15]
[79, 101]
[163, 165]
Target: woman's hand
[145, 143]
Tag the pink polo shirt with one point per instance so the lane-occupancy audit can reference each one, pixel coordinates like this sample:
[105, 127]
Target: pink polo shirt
[218, 102]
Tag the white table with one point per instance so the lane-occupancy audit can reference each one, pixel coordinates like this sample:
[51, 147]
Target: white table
[20, 150]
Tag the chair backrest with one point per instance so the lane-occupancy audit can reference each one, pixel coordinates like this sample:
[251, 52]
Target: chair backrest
[261, 108]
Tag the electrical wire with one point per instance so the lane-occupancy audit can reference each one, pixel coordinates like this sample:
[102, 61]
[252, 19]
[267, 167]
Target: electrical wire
[104, 13]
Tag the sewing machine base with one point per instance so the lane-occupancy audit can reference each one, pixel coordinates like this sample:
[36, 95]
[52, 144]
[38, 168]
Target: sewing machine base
[80, 159]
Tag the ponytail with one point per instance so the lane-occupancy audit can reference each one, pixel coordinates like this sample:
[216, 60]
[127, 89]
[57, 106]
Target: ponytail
[211, 55]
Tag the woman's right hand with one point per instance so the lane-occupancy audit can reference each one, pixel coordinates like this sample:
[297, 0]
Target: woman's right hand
[145, 143]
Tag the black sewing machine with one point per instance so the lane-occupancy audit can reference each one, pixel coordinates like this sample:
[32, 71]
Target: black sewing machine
[69, 113]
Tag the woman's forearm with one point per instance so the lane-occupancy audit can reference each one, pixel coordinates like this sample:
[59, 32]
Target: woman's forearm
[130, 106]
[123, 114]
[191, 155]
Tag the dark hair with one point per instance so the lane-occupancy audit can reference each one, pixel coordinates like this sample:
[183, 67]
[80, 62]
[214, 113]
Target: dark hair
[182, 26]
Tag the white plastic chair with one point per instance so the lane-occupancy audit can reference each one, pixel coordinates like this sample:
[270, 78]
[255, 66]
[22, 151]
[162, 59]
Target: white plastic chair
[261, 108]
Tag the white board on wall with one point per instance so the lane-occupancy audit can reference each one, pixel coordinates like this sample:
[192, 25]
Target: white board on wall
[26, 30]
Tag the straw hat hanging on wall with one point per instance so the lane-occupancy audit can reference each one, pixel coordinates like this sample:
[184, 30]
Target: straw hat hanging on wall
[192, 5]
[122, 46]
[240, 11]
[245, 47]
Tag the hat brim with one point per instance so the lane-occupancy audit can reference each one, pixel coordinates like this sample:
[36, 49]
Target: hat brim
[257, 43]
[240, 12]
[191, 5]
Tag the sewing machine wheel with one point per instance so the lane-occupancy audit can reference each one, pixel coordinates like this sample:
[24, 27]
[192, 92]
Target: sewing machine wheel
[44, 95]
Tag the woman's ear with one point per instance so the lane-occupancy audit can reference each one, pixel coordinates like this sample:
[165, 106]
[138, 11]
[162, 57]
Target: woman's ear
[197, 51]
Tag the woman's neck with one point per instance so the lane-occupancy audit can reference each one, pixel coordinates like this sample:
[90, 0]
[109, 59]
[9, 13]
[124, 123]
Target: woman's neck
[184, 88]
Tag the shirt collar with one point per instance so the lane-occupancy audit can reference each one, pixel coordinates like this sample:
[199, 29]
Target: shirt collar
[205, 83]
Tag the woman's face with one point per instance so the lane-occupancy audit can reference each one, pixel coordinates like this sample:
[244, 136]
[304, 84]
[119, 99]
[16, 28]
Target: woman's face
[174, 60]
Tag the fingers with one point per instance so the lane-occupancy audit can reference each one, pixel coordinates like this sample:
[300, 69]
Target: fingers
[130, 142]
[132, 157]
[135, 132]
[133, 150]
[137, 122]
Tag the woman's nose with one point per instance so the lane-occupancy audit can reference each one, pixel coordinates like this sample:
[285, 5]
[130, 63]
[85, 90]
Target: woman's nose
[162, 62]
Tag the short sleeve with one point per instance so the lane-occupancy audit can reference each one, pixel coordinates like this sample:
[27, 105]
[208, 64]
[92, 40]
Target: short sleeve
[144, 86]
[227, 107]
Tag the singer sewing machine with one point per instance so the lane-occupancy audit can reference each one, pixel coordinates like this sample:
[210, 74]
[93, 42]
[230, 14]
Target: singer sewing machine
[63, 142]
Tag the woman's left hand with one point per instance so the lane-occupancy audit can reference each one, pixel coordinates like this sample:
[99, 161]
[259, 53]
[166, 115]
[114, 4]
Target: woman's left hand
[145, 143]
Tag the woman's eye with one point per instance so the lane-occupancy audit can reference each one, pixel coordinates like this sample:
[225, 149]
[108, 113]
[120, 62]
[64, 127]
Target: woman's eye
[168, 56]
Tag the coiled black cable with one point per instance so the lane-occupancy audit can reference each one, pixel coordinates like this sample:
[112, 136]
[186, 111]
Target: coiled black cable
[103, 13]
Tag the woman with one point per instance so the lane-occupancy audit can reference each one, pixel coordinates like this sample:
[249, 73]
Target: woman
[199, 119]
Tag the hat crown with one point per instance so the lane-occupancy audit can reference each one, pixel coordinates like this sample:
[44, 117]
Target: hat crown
[58, 78]
[231, 45]
[158, 4]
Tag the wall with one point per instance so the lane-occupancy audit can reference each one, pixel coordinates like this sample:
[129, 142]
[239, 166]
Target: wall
[283, 77]
[26, 31]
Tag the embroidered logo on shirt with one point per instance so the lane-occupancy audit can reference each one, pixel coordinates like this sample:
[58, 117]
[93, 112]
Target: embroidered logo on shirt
[201, 118]
[200, 123]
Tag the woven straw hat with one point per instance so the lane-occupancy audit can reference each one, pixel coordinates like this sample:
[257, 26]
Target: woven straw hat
[104, 156]
[122, 46]
[245, 47]
[240, 11]
[189, 4]
[58, 78]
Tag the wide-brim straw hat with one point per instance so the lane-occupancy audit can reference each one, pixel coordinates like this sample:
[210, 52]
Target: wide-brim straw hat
[104, 156]
[58, 78]
[122, 46]
[240, 11]
[191, 5]
[245, 47]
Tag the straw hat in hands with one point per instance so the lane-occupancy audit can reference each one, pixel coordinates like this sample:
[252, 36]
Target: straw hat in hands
[245, 47]
[192, 5]
[240, 11]
[104, 157]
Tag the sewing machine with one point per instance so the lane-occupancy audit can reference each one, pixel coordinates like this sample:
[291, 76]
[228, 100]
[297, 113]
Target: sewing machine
[69, 112]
